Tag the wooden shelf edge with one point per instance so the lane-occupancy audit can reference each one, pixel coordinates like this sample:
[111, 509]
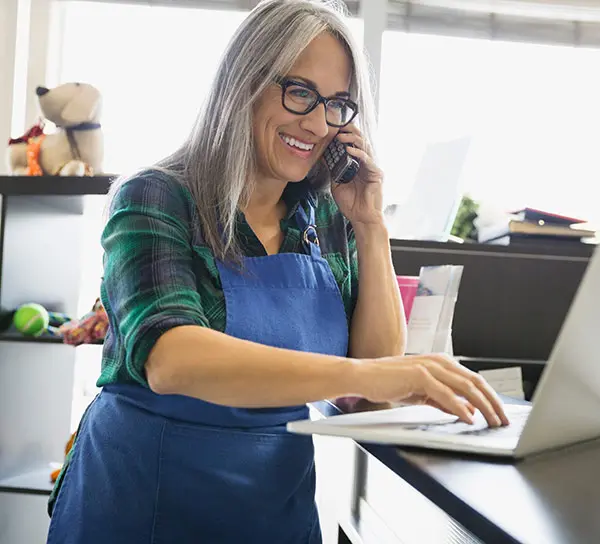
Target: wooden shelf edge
[34, 481]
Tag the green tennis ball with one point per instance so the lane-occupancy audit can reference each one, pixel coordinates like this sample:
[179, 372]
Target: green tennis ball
[31, 319]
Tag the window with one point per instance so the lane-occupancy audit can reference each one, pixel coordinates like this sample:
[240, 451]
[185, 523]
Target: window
[529, 109]
[153, 66]
[357, 28]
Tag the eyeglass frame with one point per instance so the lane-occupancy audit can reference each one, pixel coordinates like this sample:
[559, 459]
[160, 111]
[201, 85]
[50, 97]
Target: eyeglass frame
[285, 82]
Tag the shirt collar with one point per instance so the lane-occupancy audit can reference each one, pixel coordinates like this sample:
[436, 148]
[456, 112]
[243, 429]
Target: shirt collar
[298, 193]
[294, 194]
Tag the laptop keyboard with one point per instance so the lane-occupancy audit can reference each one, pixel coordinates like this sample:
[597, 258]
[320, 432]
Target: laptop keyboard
[480, 427]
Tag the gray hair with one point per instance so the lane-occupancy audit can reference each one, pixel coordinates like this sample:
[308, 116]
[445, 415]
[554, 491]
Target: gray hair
[217, 159]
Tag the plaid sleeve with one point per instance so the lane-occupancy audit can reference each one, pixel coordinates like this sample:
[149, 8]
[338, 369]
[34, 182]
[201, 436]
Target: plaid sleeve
[149, 283]
[352, 267]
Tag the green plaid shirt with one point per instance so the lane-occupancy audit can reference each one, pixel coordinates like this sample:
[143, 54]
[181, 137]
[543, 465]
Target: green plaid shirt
[158, 273]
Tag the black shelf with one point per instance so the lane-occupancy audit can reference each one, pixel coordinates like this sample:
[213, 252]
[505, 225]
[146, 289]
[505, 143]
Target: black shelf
[420, 247]
[35, 481]
[55, 185]
[42, 339]
[18, 337]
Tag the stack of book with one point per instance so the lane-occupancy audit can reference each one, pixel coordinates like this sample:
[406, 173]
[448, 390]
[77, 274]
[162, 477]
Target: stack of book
[533, 227]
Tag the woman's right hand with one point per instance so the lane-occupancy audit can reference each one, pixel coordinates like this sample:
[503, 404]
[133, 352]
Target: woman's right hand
[433, 379]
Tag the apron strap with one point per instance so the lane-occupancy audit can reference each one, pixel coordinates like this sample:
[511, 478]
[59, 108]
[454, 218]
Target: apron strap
[309, 230]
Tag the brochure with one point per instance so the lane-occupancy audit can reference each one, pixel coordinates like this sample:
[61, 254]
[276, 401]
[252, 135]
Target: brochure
[432, 313]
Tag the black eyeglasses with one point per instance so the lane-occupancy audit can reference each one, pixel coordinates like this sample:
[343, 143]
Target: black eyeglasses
[298, 97]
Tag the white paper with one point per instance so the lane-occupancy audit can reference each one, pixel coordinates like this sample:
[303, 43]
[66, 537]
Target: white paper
[403, 415]
[506, 381]
[423, 323]
[430, 324]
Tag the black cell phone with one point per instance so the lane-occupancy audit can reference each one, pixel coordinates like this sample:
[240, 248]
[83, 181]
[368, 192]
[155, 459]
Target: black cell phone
[341, 165]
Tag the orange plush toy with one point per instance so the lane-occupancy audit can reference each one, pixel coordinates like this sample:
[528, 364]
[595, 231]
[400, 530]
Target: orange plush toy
[33, 139]
[55, 473]
[33, 156]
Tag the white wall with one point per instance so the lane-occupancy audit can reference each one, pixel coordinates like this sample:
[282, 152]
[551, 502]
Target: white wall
[8, 38]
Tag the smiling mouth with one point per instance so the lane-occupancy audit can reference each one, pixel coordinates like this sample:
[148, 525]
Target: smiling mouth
[296, 144]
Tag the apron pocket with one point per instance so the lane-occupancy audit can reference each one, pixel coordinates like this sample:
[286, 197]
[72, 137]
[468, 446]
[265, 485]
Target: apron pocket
[230, 486]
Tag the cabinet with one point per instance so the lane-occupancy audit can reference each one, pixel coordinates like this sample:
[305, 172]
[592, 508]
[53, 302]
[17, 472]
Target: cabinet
[41, 252]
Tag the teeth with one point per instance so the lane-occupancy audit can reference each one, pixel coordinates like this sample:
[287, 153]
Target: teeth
[295, 143]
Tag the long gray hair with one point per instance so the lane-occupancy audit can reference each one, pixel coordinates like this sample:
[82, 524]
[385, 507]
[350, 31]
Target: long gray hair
[217, 160]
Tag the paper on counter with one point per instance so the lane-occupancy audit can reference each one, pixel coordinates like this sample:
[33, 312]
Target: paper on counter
[506, 381]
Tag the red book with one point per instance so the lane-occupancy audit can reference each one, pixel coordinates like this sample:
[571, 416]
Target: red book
[535, 216]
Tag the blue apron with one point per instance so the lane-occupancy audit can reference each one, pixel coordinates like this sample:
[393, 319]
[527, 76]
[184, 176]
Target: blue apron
[171, 469]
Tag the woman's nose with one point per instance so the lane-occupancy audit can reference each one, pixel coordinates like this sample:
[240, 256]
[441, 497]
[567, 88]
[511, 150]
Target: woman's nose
[315, 122]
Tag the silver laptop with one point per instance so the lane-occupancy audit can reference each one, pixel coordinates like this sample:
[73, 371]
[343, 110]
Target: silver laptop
[565, 408]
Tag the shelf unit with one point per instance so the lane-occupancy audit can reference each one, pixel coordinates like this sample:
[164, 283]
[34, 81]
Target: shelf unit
[41, 247]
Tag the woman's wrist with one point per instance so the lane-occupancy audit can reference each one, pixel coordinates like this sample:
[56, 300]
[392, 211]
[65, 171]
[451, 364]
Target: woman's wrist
[356, 376]
[370, 233]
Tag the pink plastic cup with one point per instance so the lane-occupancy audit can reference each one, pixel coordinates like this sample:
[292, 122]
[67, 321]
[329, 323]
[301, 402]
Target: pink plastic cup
[408, 290]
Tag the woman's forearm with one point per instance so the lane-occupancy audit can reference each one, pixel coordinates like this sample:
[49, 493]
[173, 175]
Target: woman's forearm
[218, 368]
[378, 323]
[212, 366]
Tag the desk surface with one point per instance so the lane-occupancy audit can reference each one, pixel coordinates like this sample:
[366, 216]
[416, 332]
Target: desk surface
[550, 498]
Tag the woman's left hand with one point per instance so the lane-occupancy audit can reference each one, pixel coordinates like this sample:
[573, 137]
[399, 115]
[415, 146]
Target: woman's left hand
[360, 200]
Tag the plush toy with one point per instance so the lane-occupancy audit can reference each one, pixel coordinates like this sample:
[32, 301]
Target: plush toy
[76, 148]
[55, 473]
[87, 330]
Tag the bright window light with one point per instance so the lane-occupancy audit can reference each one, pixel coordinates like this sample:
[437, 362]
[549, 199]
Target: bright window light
[153, 65]
[530, 109]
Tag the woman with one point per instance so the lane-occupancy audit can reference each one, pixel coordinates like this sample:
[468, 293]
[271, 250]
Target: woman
[231, 284]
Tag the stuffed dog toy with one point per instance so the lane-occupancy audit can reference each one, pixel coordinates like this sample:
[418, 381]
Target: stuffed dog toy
[76, 148]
